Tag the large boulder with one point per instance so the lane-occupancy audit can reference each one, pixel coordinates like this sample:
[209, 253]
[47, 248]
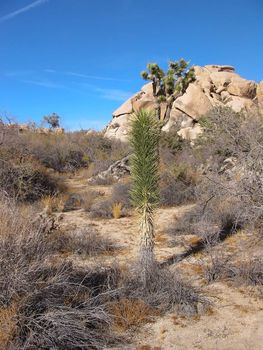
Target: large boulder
[193, 103]
[215, 85]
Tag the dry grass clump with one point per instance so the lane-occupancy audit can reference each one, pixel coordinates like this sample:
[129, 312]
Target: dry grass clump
[129, 314]
[118, 205]
[54, 203]
[116, 210]
[8, 325]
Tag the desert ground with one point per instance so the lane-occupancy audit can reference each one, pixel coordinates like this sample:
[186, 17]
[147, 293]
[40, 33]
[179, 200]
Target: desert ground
[234, 319]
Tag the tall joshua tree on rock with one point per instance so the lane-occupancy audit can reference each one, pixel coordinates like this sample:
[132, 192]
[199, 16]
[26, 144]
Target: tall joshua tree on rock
[144, 139]
[167, 87]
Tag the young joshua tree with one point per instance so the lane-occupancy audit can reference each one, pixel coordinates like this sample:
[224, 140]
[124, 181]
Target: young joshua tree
[144, 139]
[167, 87]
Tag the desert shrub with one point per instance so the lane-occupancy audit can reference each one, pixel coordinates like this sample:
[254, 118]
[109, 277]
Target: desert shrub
[48, 304]
[71, 151]
[85, 241]
[121, 194]
[53, 203]
[118, 204]
[232, 146]
[177, 188]
[172, 141]
[178, 173]
[74, 201]
[26, 180]
[63, 152]
[67, 310]
[184, 224]
[23, 248]
[248, 272]
[88, 198]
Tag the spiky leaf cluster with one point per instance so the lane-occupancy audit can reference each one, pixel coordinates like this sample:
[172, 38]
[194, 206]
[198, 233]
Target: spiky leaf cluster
[144, 139]
[174, 81]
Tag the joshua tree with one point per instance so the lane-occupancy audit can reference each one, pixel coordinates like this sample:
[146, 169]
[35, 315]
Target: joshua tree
[52, 120]
[144, 139]
[167, 87]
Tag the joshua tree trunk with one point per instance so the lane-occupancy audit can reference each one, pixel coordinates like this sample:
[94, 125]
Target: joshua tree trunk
[170, 102]
[146, 257]
[146, 234]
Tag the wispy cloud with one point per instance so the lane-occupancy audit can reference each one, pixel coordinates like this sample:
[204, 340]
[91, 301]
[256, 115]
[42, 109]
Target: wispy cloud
[85, 76]
[44, 83]
[114, 94]
[22, 10]
[95, 77]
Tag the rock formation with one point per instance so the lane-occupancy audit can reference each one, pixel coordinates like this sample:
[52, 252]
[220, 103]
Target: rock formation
[115, 171]
[214, 86]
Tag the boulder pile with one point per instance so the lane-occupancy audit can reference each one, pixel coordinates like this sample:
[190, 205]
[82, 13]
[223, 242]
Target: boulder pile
[215, 85]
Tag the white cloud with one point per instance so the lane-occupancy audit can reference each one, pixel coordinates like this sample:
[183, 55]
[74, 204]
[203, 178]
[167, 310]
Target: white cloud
[22, 10]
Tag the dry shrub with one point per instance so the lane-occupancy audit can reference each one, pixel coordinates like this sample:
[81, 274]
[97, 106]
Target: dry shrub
[177, 187]
[23, 248]
[184, 224]
[129, 314]
[67, 309]
[86, 241]
[88, 198]
[116, 210]
[63, 152]
[57, 305]
[222, 266]
[248, 273]
[231, 148]
[102, 209]
[121, 194]
[26, 180]
[165, 291]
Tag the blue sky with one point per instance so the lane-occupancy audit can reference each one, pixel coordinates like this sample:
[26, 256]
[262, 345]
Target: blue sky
[82, 58]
